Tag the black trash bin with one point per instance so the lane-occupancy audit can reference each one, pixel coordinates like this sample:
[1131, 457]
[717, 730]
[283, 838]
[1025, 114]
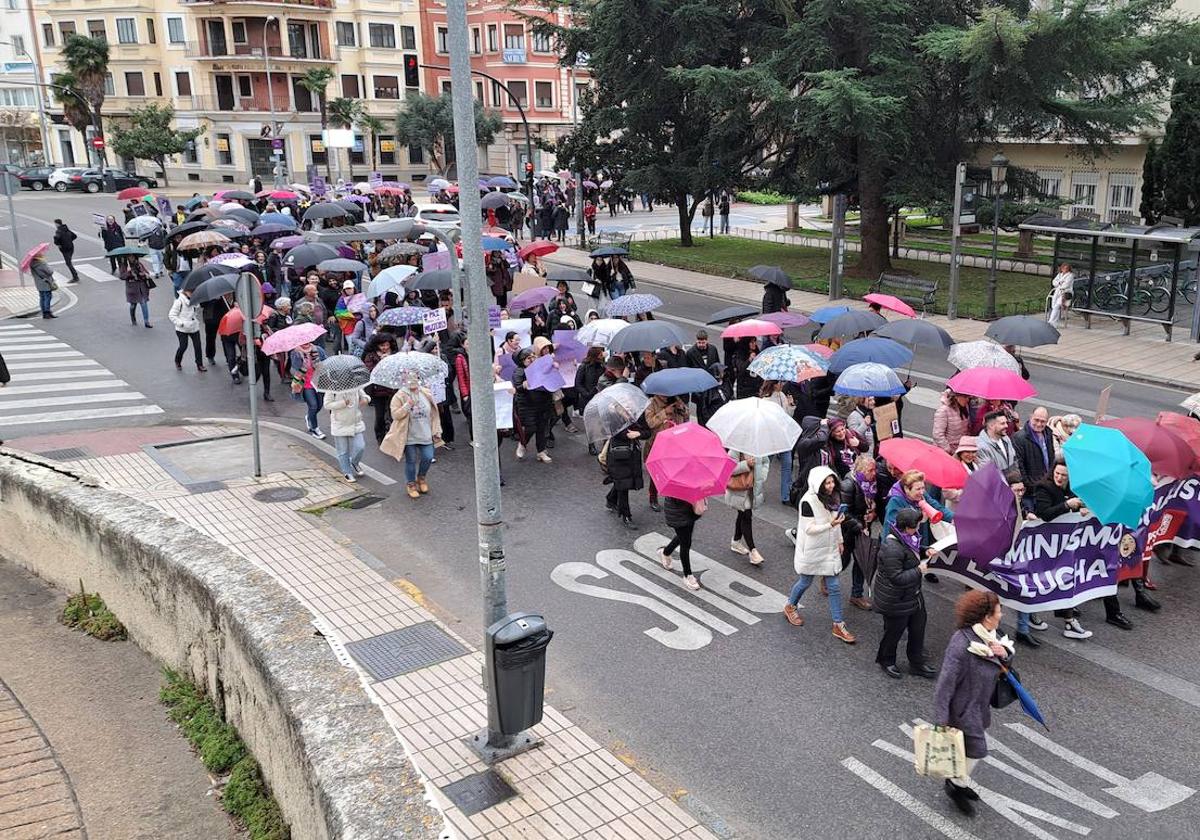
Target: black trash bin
[515, 655]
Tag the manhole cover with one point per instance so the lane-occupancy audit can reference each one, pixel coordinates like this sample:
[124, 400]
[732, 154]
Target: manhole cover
[72, 454]
[479, 792]
[402, 651]
[280, 494]
[365, 500]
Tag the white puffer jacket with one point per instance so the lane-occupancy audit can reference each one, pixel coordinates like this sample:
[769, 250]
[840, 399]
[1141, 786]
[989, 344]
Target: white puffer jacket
[345, 412]
[183, 315]
[818, 540]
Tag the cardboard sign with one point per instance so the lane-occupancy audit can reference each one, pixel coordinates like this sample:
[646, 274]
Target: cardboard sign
[98, 219]
[1102, 403]
[375, 179]
[887, 421]
[434, 321]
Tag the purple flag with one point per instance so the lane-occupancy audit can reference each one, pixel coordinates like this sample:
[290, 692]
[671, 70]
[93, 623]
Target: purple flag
[566, 348]
[543, 374]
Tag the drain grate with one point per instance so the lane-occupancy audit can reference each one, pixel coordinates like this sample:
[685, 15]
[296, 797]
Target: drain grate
[280, 494]
[205, 486]
[73, 453]
[402, 651]
[365, 500]
[479, 792]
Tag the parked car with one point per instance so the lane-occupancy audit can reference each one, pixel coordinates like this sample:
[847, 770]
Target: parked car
[444, 216]
[60, 177]
[90, 180]
[37, 178]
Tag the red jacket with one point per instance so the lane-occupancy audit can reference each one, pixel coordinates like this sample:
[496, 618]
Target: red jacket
[462, 373]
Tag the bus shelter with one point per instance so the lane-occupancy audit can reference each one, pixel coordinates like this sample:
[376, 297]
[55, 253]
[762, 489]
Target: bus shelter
[1128, 273]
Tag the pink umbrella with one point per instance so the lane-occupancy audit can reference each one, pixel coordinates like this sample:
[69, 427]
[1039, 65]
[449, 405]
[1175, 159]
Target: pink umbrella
[751, 327]
[890, 302]
[689, 462]
[786, 320]
[289, 338]
[358, 303]
[233, 258]
[821, 350]
[991, 384]
[285, 242]
[282, 195]
[33, 253]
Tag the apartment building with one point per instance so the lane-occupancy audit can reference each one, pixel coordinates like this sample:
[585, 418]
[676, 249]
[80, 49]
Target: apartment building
[20, 126]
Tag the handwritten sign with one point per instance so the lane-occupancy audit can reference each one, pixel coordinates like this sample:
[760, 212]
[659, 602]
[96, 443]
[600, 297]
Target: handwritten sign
[434, 321]
[375, 179]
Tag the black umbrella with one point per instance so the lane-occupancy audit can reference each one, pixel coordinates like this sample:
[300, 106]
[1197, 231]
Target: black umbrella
[431, 281]
[216, 287]
[242, 214]
[646, 336]
[238, 195]
[493, 201]
[351, 208]
[1023, 331]
[772, 275]
[609, 251]
[732, 313]
[852, 323]
[555, 273]
[913, 332]
[309, 254]
[206, 272]
[187, 228]
[324, 211]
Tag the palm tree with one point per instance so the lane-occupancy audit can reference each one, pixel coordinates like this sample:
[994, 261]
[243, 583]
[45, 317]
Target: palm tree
[315, 81]
[371, 127]
[87, 63]
[75, 109]
[343, 113]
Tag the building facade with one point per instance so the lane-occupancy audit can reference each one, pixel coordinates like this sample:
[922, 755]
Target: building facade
[20, 125]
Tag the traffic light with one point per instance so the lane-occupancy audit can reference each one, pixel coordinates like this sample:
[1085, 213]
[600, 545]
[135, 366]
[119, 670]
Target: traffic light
[411, 77]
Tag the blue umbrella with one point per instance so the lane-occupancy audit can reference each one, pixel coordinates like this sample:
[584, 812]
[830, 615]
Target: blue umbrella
[193, 202]
[495, 243]
[277, 219]
[1109, 474]
[827, 313]
[502, 182]
[869, 379]
[881, 350]
[1028, 704]
[675, 381]
[788, 363]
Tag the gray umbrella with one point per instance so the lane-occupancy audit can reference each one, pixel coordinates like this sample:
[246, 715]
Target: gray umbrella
[309, 254]
[914, 332]
[325, 211]
[402, 249]
[852, 323]
[215, 287]
[351, 207]
[341, 264]
[646, 336]
[204, 272]
[430, 281]
[613, 410]
[732, 313]
[242, 214]
[1023, 331]
[341, 373]
[554, 273]
[772, 275]
[610, 251]
[493, 201]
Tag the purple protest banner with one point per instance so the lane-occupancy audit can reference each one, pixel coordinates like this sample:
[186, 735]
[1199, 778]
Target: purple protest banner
[164, 206]
[494, 317]
[435, 261]
[543, 373]
[318, 186]
[507, 367]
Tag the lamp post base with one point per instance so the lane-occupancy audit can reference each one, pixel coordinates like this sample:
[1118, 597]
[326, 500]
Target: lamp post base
[510, 745]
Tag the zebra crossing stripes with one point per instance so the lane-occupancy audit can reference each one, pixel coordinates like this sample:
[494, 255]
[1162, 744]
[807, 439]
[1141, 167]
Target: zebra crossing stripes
[52, 382]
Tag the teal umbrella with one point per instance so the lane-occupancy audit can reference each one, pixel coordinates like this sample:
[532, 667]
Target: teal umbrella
[127, 251]
[1109, 474]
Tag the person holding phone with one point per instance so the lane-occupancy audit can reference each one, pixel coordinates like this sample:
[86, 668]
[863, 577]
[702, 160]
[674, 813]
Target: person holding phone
[819, 548]
[898, 597]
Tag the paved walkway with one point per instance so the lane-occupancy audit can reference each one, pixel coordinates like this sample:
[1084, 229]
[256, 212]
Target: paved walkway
[1143, 356]
[569, 787]
[17, 300]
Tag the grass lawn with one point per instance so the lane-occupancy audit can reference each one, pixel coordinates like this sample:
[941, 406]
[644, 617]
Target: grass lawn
[732, 256]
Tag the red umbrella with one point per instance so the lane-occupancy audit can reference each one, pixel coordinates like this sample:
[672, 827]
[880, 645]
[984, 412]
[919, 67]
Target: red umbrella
[689, 462]
[912, 454]
[33, 253]
[749, 328]
[1186, 427]
[537, 248]
[232, 321]
[890, 302]
[991, 384]
[389, 191]
[132, 192]
[1169, 454]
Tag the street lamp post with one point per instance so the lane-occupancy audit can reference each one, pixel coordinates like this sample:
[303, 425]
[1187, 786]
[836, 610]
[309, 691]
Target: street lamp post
[578, 170]
[999, 174]
[276, 168]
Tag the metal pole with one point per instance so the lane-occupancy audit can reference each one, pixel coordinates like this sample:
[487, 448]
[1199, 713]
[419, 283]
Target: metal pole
[960, 175]
[578, 170]
[837, 246]
[246, 304]
[12, 220]
[991, 285]
[275, 168]
[483, 409]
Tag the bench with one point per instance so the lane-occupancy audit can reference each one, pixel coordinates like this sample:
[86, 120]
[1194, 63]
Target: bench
[916, 291]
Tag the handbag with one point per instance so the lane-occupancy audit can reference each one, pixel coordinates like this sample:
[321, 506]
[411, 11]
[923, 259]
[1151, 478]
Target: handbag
[939, 752]
[1003, 693]
[741, 482]
[591, 289]
[150, 283]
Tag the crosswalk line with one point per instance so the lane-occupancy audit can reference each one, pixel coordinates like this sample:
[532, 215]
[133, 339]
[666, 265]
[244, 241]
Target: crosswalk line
[7, 339]
[56, 364]
[6, 329]
[51, 354]
[55, 375]
[97, 274]
[61, 387]
[83, 414]
[6, 349]
[46, 402]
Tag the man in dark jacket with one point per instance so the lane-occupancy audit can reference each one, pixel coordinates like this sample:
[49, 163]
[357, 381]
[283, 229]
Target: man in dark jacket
[774, 299]
[64, 240]
[898, 596]
[1034, 447]
[701, 354]
[810, 452]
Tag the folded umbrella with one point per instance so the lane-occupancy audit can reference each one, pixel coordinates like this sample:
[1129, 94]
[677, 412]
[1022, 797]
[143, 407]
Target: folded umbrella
[613, 410]
[732, 313]
[911, 454]
[1169, 454]
[986, 518]
[1028, 704]
[915, 332]
[1109, 474]
[891, 303]
[771, 275]
[646, 336]
[388, 279]
[1023, 331]
[991, 383]
[852, 323]
[869, 379]
[532, 299]
[289, 338]
[543, 373]
[883, 351]
[340, 373]
[979, 354]
[537, 248]
[827, 313]
[632, 304]
[751, 327]
[674, 382]
[785, 320]
[600, 333]
[754, 426]
[689, 462]
[39, 249]
[210, 269]
[788, 363]
[402, 316]
[139, 227]
[391, 370]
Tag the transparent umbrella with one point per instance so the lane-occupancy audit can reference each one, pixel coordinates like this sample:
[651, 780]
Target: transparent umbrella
[341, 373]
[391, 370]
[977, 354]
[611, 411]
[754, 426]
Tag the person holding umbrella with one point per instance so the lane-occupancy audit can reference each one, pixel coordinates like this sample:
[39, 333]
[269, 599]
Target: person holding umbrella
[415, 433]
[302, 362]
[773, 390]
[621, 460]
[681, 517]
[113, 238]
[662, 413]
[898, 597]
[137, 289]
[43, 277]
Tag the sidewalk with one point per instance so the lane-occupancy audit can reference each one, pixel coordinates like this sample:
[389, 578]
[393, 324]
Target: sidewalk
[1143, 356]
[17, 300]
[569, 787]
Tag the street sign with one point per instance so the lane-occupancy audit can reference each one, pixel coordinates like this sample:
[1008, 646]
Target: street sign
[97, 142]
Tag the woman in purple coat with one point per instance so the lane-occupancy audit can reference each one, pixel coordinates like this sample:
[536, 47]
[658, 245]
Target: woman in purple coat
[963, 695]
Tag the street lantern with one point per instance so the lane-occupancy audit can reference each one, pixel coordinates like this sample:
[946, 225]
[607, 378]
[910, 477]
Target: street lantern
[999, 169]
[999, 174]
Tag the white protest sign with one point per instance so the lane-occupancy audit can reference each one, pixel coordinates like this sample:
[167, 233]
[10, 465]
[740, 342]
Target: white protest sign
[434, 321]
[523, 327]
[503, 392]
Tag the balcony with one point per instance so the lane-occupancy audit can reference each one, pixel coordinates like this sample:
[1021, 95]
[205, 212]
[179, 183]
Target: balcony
[244, 57]
[273, 4]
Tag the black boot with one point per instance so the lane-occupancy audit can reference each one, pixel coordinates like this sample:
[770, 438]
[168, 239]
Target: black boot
[1119, 619]
[961, 797]
[1142, 599]
[1028, 640]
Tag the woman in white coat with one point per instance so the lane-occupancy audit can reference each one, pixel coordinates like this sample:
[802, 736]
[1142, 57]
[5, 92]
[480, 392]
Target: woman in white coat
[346, 424]
[185, 319]
[819, 547]
[1062, 288]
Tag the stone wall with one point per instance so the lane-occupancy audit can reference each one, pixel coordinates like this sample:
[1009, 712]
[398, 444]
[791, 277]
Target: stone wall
[331, 760]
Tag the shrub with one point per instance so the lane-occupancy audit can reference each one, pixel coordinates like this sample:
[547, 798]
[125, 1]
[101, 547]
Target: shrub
[88, 613]
[763, 197]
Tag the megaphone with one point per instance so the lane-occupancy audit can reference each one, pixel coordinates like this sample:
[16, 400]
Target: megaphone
[934, 516]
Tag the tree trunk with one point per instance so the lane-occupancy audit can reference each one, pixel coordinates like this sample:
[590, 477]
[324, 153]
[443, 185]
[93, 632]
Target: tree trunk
[873, 224]
[685, 220]
[162, 164]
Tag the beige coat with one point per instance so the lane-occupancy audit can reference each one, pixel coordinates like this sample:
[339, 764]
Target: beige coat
[397, 436]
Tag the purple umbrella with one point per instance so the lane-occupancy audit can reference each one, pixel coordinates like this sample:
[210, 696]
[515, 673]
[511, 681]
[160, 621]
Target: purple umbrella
[543, 374]
[986, 517]
[285, 242]
[785, 320]
[532, 298]
[591, 185]
[346, 251]
[566, 348]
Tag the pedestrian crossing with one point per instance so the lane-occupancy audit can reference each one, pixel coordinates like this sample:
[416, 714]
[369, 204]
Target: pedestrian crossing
[52, 382]
[95, 272]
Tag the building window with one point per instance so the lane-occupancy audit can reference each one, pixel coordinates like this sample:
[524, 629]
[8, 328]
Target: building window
[358, 153]
[443, 40]
[493, 42]
[416, 155]
[158, 84]
[345, 34]
[135, 85]
[190, 154]
[514, 36]
[408, 37]
[1083, 191]
[239, 32]
[383, 35]
[301, 96]
[47, 34]
[175, 30]
[66, 28]
[387, 150]
[150, 34]
[543, 94]
[1120, 194]
[17, 42]
[1050, 183]
[245, 87]
[497, 94]
[96, 30]
[110, 87]
[519, 91]
[350, 86]
[476, 41]
[479, 92]
[183, 83]
[581, 94]
[316, 147]
[224, 150]
[126, 31]
[386, 87]
[541, 43]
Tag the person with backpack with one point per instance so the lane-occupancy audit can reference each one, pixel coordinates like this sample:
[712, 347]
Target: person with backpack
[64, 240]
[157, 243]
[621, 461]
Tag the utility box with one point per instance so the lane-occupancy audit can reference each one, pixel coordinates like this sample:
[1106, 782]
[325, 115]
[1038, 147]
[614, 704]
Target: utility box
[515, 656]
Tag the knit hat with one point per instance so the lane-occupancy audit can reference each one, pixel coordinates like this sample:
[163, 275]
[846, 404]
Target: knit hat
[967, 443]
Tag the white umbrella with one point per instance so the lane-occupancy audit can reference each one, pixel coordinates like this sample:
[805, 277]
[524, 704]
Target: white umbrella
[754, 426]
[600, 332]
[140, 227]
[974, 354]
[613, 410]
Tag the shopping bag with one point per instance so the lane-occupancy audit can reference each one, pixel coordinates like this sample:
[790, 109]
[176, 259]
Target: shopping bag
[939, 752]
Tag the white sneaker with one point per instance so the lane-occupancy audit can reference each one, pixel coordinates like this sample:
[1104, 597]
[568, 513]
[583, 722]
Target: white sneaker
[1038, 624]
[1072, 629]
[317, 433]
[665, 559]
[691, 583]
[520, 450]
[738, 547]
[756, 559]
[350, 478]
[790, 533]
[358, 470]
[544, 458]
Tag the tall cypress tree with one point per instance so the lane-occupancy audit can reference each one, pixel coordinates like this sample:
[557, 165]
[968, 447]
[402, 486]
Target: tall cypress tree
[1151, 205]
[1179, 157]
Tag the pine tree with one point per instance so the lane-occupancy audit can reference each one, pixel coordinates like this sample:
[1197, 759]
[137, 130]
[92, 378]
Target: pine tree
[1151, 189]
[1179, 157]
